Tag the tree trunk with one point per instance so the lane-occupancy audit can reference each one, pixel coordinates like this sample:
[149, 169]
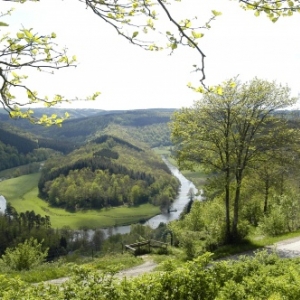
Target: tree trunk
[227, 206]
[267, 187]
[235, 233]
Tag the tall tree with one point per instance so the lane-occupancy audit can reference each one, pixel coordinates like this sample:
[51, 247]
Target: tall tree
[228, 130]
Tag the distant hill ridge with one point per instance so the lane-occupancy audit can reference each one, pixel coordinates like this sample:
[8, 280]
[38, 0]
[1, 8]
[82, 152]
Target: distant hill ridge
[148, 126]
[22, 141]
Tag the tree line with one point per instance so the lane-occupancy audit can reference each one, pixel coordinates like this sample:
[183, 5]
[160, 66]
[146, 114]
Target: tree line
[10, 157]
[111, 172]
[16, 227]
[23, 144]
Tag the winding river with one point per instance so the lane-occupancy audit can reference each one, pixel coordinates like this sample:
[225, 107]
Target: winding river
[176, 209]
[2, 204]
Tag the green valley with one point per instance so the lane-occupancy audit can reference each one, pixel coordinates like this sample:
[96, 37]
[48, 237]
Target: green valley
[25, 198]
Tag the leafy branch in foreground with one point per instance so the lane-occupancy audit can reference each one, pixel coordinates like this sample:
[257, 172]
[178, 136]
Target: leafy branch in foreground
[134, 19]
[138, 21]
[272, 8]
[28, 50]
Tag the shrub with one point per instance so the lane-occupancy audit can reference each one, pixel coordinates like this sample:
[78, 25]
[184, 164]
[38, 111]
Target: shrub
[25, 256]
[274, 223]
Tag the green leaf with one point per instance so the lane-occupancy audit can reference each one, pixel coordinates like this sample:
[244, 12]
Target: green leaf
[219, 90]
[232, 84]
[3, 24]
[174, 46]
[28, 33]
[197, 35]
[20, 35]
[135, 34]
[216, 13]
[188, 24]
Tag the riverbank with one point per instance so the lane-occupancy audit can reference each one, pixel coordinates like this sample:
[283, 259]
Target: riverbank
[24, 198]
[197, 177]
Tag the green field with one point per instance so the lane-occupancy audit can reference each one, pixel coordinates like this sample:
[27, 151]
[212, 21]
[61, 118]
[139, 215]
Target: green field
[22, 193]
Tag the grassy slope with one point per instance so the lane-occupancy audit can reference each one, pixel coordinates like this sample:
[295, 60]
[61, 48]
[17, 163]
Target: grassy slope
[64, 267]
[22, 193]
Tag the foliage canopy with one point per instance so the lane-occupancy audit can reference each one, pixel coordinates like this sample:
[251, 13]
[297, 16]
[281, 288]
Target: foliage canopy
[228, 131]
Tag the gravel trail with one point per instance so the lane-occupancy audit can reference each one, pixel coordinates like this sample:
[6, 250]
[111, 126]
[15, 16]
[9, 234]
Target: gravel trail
[286, 249]
[146, 267]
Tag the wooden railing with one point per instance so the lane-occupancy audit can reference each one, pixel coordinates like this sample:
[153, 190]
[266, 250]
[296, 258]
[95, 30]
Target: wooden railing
[134, 248]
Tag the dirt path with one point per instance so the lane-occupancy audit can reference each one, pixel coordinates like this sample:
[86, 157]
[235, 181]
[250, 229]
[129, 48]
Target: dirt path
[285, 249]
[146, 267]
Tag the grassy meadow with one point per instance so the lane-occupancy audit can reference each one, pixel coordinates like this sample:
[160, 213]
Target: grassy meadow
[22, 193]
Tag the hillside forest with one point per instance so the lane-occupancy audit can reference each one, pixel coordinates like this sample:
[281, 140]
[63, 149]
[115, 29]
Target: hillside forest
[239, 143]
[115, 166]
[109, 164]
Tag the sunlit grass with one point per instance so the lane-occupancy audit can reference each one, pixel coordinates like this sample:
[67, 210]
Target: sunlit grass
[261, 241]
[22, 193]
[64, 267]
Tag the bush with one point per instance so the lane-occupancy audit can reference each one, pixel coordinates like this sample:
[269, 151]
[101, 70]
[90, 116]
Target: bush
[25, 256]
[283, 215]
[274, 223]
[189, 245]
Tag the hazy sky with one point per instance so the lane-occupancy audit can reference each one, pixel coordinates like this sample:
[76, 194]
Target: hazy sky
[130, 78]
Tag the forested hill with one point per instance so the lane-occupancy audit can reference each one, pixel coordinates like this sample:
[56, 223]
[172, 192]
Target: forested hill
[108, 171]
[148, 126]
[23, 141]
[19, 147]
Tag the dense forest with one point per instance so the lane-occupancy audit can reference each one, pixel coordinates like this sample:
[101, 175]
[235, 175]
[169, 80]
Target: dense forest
[93, 168]
[111, 168]
[22, 143]
[107, 172]
[147, 126]
[13, 154]
[16, 228]
[237, 136]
